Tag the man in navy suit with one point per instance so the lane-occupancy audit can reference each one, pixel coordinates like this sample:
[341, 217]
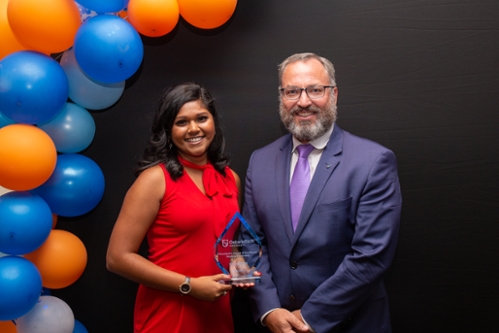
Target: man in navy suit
[326, 274]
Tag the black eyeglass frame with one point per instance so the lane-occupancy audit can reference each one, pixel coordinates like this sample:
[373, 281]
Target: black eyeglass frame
[281, 90]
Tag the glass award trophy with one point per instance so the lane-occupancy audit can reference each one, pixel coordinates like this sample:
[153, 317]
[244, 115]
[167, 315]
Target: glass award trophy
[238, 251]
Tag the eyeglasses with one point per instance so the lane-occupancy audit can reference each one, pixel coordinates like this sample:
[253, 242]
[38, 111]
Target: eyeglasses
[313, 92]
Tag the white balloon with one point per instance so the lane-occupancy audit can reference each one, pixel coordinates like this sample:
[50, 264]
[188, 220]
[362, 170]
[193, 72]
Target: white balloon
[50, 314]
[4, 190]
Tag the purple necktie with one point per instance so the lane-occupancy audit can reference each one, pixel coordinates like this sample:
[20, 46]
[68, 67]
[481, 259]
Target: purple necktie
[300, 182]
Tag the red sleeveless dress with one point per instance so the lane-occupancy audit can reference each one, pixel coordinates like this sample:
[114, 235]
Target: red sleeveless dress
[182, 239]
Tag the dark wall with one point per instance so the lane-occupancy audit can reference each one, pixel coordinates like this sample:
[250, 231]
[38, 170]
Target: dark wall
[420, 77]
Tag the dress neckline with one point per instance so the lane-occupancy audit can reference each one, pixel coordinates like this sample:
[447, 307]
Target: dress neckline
[213, 181]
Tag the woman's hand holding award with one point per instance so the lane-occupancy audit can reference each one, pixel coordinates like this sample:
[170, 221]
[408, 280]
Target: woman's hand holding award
[238, 251]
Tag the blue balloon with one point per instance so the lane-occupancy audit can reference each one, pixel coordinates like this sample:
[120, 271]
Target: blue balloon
[26, 222]
[75, 187]
[33, 87]
[79, 328]
[88, 93]
[20, 287]
[108, 6]
[4, 120]
[108, 49]
[72, 130]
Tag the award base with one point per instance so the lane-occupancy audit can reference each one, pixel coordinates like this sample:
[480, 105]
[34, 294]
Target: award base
[242, 280]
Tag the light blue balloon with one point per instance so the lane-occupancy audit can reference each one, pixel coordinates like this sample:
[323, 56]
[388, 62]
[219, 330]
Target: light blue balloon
[79, 327]
[20, 284]
[86, 92]
[108, 49]
[26, 222]
[75, 187]
[107, 6]
[50, 314]
[72, 130]
[4, 120]
[33, 87]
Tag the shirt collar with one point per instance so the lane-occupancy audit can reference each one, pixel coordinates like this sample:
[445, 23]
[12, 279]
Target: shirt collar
[319, 143]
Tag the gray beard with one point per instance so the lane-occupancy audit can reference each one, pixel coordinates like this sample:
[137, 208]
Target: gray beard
[305, 130]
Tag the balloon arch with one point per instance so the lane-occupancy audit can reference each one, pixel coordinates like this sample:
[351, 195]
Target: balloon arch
[45, 124]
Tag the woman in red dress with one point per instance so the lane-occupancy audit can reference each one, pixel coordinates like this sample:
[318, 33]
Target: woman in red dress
[183, 197]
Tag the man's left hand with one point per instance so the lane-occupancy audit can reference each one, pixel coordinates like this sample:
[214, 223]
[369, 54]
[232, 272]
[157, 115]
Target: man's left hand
[297, 314]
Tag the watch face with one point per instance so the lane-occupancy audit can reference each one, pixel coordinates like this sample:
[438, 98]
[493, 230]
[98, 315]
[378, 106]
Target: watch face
[185, 288]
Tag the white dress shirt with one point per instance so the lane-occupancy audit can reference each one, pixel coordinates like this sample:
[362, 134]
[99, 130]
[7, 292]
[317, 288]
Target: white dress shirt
[314, 157]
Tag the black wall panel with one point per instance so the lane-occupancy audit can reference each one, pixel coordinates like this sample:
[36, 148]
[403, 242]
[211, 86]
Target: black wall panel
[420, 77]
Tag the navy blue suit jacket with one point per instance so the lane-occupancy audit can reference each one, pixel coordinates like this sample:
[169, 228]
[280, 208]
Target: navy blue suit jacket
[332, 267]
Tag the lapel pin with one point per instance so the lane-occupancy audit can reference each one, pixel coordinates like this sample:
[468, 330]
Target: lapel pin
[328, 165]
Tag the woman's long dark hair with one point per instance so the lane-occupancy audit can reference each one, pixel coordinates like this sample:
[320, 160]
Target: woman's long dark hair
[161, 148]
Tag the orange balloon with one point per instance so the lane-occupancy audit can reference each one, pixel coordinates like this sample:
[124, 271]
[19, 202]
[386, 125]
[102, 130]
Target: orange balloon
[153, 18]
[61, 260]
[10, 44]
[206, 14]
[47, 26]
[28, 157]
[7, 327]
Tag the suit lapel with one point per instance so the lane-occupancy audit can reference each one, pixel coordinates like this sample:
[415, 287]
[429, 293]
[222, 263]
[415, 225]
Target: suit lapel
[281, 175]
[328, 162]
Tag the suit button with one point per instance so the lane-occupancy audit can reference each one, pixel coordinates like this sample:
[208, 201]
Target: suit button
[294, 265]
[291, 298]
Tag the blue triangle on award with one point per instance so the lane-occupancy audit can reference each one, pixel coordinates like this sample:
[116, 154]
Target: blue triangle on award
[238, 250]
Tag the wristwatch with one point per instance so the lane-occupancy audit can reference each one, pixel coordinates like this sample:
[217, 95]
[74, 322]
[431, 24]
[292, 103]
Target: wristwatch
[185, 287]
